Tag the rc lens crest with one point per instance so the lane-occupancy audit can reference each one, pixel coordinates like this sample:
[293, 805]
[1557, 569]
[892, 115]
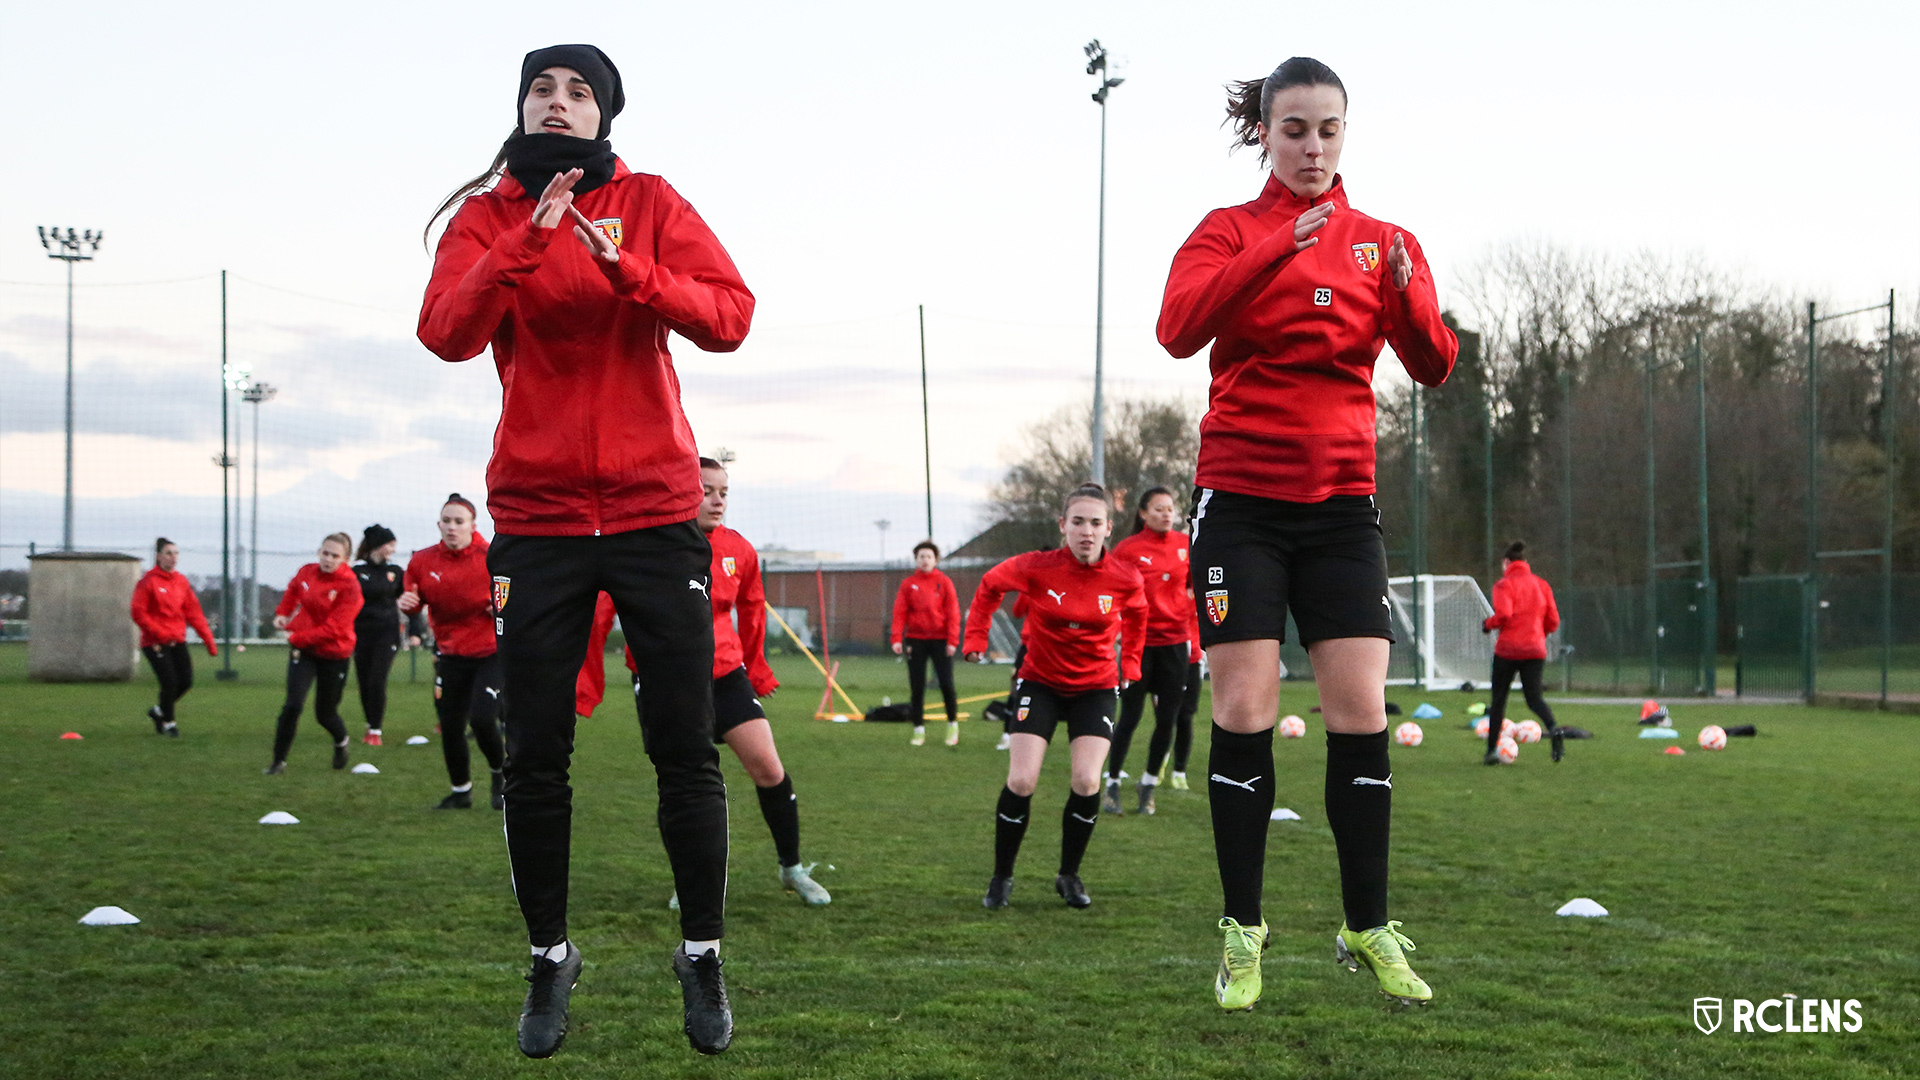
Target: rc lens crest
[1217, 605]
[727, 564]
[611, 226]
[1106, 604]
[500, 588]
[1367, 256]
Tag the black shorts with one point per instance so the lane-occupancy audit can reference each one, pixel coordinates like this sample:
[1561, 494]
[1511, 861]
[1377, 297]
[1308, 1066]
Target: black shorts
[1039, 708]
[1255, 559]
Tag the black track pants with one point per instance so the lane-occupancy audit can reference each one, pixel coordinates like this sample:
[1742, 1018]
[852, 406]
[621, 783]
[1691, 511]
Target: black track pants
[372, 662]
[173, 666]
[1163, 674]
[919, 651]
[546, 587]
[466, 691]
[304, 672]
[1503, 672]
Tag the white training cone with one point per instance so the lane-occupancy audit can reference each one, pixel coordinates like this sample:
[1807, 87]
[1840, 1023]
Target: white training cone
[109, 916]
[417, 740]
[366, 768]
[1581, 906]
[1284, 814]
[279, 817]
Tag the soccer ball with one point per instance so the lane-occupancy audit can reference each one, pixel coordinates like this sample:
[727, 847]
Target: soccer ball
[1480, 728]
[1526, 731]
[1506, 727]
[1507, 749]
[1713, 737]
[1292, 727]
[1409, 734]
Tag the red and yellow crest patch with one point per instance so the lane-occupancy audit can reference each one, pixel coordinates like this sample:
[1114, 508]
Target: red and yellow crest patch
[500, 588]
[611, 226]
[1021, 715]
[1367, 256]
[727, 564]
[1217, 605]
[1106, 605]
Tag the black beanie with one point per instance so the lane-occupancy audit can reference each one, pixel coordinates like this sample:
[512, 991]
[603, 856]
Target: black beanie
[377, 536]
[593, 66]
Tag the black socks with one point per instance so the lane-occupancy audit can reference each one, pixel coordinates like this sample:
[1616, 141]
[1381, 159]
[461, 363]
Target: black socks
[1360, 811]
[1240, 792]
[782, 811]
[1009, 828]
[1076, 828]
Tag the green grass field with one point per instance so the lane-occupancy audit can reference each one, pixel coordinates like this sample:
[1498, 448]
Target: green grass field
[380, 939]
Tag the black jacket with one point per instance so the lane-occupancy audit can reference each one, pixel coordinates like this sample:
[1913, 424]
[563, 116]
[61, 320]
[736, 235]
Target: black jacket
[379, 620]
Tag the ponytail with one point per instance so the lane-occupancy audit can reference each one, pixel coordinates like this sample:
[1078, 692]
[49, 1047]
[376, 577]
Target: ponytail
[480, 183]
[1250, 102]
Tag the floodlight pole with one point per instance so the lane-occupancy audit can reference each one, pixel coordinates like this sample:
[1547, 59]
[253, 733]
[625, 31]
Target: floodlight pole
[883, 525]
[926, 424]
[1889, 426]
[1566, 505]
[1810, 593]
[1709, 594]
[1097, 66]
[68, 249]
[255, 394]
[1653, 561]
[225, 461]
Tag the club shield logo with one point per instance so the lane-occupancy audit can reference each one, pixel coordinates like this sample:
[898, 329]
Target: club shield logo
[501, 586]
[727, 564]
[1021, 716]
[1367, 256]
[1217, 606]
[610, 226]
[1706, 1015]
[1106, 605]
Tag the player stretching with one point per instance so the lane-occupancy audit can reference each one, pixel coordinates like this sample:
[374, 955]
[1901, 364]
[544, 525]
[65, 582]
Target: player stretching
[1160, 554]
[1079, 597]
[574, 270]
[450, 581]
[163, 606]
[1297, 291]
[926, 626]
[1524, 613]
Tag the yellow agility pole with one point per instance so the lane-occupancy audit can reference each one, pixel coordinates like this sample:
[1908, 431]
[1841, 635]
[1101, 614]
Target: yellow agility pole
[853, 711]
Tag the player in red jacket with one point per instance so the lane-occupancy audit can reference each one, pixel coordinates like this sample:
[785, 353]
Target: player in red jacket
[1159, 553]
[1298, 291]
[164, 605]
[573, 271]
[1080, 598]
[1524, 613]
[317, 612]
[450, 581]
[926, 626]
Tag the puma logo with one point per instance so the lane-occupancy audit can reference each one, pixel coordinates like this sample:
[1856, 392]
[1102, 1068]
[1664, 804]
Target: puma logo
[1058, 597]
[1013, 820]
[1246, 785]
[1088, 820]
[692, 584]
[493, 691]
[1368, 780]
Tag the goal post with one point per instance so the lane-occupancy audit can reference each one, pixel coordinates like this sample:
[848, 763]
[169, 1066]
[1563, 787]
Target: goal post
[1441, 614]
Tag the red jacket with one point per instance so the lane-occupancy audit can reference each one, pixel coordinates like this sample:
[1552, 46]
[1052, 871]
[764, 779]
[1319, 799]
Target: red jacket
[164, 605]
[591, 438]
[1161, 559]
[1074, 611]
[457, 592]
[590, 686]
[1290, 414]
[927, 607]
[321, 609]
[739, 595]
[1523, 612]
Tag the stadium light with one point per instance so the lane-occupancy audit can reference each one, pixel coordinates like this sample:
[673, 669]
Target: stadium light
[72, 248]
[883, 525]
[1097, 66]
[255, 394]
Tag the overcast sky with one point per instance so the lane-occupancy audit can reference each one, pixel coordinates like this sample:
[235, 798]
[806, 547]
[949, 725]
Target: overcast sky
[858, 160]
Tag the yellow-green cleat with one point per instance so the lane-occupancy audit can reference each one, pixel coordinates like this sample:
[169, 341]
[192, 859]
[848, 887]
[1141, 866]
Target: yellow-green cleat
[1380, 949]
[1237, 986]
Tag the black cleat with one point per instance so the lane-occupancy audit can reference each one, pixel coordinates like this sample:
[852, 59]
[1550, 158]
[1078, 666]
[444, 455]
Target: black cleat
[1070, 890]
[275, 769]
[543, 1019]
[703, 991]
[1492, 758]
[173, 731]
[999, 893]
[159, 721]
[457, 800]
[1559, 743]
[497, 790]
[340, 755]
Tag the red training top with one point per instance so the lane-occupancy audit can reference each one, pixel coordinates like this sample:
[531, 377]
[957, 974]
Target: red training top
[321, 608]
[1074, 611]
[163, 606]
[739, 595]
[590, 686]
[457, 592]
[927, 607]
[1161, 559]
[591, 437]
[1290, 414]
[1523, 612]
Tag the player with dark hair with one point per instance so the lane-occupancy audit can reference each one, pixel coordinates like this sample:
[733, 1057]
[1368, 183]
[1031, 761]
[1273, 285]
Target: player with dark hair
[377, 629]
[449, 581]
[317, 612]
[926, 626]
[1524, 613]
[574, 271]
[1080, 599]
[164, 605]
[1298, 291]
[1159, 553]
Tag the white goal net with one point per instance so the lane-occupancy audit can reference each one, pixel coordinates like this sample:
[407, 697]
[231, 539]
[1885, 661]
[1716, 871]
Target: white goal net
[1442, 614]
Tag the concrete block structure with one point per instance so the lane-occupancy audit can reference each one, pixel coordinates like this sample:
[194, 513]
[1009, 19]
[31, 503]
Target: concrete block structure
[81, 629]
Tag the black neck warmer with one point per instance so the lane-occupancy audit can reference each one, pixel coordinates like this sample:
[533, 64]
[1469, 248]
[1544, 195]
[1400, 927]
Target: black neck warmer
[534, 160]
